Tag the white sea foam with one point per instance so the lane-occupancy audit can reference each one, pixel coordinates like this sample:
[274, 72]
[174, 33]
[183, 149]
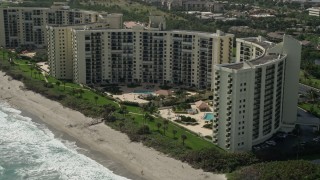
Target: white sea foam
[1, 170]
[32, 152]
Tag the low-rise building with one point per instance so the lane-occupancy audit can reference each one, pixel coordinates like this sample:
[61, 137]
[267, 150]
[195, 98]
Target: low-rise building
[314, 11]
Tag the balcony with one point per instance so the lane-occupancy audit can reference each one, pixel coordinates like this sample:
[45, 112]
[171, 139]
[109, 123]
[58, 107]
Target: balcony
[214, 140]
[228, 134]
[228, 123]
[229, 119]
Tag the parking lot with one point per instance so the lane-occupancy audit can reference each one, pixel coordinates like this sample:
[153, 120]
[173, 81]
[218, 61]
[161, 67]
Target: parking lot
[283, 145]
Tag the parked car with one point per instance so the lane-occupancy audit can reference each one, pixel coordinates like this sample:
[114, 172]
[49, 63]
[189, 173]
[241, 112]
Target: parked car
[264, 146]
[303, 143]
[317, 139]
[256, 148]
[271, 143]
[282, 135]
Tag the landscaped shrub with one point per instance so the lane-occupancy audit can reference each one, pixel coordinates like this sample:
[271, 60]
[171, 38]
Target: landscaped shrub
[110, 119]
[130, 103]
[112, 89]
[143, 130]
[132, 85]
[187, 119]
[278, 170]
[217, 161]
[165, 87]
[208, 126]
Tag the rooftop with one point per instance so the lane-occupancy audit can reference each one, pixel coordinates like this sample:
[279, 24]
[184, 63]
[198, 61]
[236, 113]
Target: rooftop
[258, 40]
[204, 34]
[264, 59]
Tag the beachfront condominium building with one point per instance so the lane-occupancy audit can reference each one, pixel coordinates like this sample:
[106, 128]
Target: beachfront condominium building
[26, 26]
[152, 55]
[59, 43]
[257, 95]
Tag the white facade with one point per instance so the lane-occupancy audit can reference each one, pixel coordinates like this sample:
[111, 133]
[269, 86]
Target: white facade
[257, 95]
[314, 11]
[26, 26]
[60, 52]
[149, 56]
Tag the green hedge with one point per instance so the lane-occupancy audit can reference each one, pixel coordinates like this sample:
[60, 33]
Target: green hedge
[298, 169]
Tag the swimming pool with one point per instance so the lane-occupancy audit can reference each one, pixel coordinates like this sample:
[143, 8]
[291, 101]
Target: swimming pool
[142, 92]
[208, 117]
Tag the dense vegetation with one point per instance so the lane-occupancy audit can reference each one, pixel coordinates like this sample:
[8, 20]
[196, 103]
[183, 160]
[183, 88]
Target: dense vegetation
[278, 170]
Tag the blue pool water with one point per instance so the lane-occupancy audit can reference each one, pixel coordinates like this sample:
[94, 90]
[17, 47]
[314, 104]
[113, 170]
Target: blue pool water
[208, 117]
[143, 92]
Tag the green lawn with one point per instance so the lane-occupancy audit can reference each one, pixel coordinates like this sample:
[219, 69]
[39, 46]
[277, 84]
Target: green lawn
[193, 141]
[311, 81]
[312, 108]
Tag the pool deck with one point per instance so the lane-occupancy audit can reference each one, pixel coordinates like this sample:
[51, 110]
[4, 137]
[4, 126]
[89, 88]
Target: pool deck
[132, 97]
[170, 115]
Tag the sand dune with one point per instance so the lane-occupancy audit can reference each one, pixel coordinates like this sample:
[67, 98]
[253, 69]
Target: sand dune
[142, 162]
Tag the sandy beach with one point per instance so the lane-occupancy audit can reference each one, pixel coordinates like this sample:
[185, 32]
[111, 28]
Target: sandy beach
[109, 147]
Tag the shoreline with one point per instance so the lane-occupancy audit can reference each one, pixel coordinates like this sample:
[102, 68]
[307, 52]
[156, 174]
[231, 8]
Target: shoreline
[107, 146]
[84, 149]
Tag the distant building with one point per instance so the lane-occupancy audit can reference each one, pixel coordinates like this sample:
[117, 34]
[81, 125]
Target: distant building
[314, 11]
[131, 24]
[26, 26]
[193, 5]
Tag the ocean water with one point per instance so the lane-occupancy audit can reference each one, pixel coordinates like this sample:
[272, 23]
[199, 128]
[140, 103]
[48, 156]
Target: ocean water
[29, 150]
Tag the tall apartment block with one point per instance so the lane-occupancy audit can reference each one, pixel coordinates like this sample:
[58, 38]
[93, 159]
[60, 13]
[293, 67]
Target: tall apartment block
[26, 26]
[256, 96]
[59, 41]
[140, 55]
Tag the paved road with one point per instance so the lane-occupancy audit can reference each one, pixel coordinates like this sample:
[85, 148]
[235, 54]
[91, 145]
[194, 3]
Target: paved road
[303, 89]
[306, 118]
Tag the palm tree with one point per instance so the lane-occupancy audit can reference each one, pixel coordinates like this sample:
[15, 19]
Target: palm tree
[174, 132]
[123, 110]
[80, 91]
[164, 129]
[73, 91]
[31, 69]
[165, 122]
[35, 74]
[183, 137]
[312, 95]
[58, 84]
[39, 73]
[96, 99]
[159, 125]
[121, 124]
